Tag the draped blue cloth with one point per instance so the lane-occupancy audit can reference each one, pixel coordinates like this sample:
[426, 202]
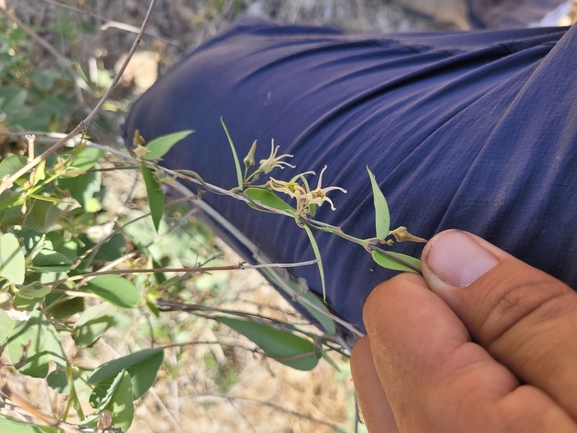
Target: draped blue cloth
[476, 131]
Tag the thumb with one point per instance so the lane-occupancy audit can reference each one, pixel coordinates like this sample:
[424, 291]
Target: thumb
[526, 319]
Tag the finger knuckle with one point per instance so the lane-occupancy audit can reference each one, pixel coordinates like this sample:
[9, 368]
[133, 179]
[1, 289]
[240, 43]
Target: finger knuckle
[512, 301]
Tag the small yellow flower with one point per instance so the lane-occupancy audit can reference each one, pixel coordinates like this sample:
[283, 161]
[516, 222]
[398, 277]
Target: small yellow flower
[273, 161]
[319, 195]
[291, 188]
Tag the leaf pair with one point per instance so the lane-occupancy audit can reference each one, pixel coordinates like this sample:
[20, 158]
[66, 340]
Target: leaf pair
[388, 259]
[121, 381]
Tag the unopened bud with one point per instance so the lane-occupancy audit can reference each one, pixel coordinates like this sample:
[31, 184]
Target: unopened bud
[402, 235]
[249, 158]
[137, 140]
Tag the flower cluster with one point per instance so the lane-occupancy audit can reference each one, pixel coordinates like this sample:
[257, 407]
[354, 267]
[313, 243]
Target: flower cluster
[305, 197]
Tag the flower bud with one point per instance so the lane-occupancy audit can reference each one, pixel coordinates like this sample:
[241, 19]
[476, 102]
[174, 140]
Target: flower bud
[249, 158]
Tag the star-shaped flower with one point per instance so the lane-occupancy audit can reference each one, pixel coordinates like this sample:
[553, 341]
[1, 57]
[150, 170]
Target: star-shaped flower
[319, 195]
[273, 161]
[291, 188]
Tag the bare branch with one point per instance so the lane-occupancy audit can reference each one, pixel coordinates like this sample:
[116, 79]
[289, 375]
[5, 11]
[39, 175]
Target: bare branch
[241, 266]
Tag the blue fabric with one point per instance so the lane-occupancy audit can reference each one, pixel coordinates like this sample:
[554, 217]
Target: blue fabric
[476, 131]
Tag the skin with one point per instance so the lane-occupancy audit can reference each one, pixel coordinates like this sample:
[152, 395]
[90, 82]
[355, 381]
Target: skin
[481, 343]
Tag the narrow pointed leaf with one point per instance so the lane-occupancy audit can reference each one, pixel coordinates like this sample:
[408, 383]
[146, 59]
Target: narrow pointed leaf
[155, 195]
[382, 216]
[322, 316]
[268, 198]
[320, 260]
[160, 146]
[234, 155]
[116, 290]
[396, 265]
[329, 359]
[142, 367]
[283, 346]
[324, 320]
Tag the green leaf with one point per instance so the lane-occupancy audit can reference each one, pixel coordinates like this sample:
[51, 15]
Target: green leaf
[395, 261]
[58, 381]
[234, 155]
[121, 403]
[327, 358]
[382, 216]
[103, 391]
[113, 248]
[12, 261]
[43, 213]
[15, 100]
[36, 250]
[87, 158]
[62, 309]
[94, 322]
[34, 290]
[323, 319]
[83, 187]
[155, 195]
[88, 27]
[17, 35]
[6, 326]
[30, 239]
[33, 344]
[40, 172]
[116, 290]
[268, 198]
[42, 79]
[142, 367]
[11, 165]
[50, 261]
[285, 347]
[319, 258]
[9, 201]
[10, 425]
[68, 248]
[160, 146]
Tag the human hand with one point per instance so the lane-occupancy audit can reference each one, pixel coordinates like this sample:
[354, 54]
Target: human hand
[483, 343]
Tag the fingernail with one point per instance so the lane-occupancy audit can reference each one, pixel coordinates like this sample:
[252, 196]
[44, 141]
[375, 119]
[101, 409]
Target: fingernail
[458, 259]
